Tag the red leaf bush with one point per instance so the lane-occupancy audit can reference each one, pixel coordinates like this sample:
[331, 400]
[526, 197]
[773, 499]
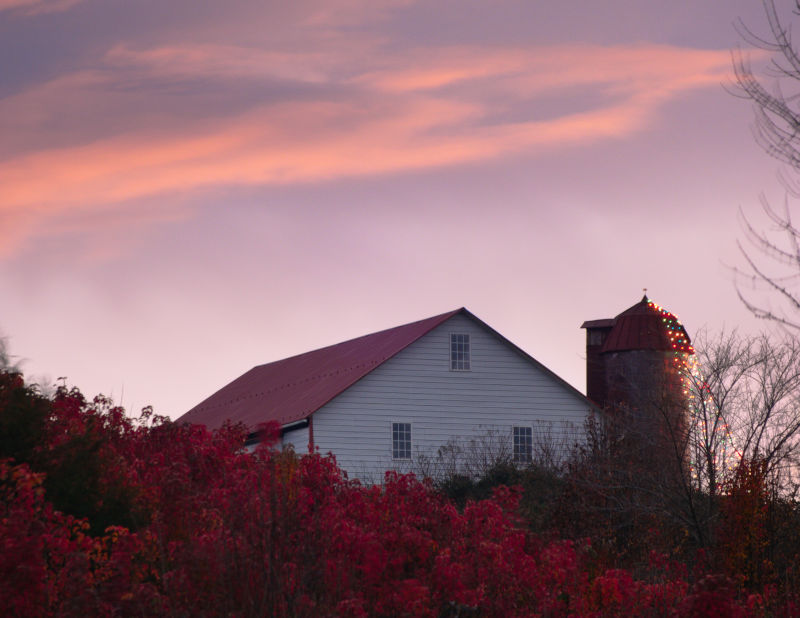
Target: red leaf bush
[167, 519]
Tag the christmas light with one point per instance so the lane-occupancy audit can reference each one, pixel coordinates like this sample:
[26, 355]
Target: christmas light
[708, 432]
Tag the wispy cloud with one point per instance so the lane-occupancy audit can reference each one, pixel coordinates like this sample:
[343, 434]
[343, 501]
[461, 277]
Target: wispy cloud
[35, 7]
[223, 60]
[542, 70]
[375, 114]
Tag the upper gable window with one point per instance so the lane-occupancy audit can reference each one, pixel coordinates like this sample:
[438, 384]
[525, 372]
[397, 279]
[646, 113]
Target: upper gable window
[459, 352]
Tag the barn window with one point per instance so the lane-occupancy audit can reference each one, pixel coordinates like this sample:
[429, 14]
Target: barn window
[459, 352]
[523, 444]
[401, 440]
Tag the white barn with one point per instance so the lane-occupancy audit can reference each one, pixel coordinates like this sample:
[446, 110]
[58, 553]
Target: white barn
[394, 398]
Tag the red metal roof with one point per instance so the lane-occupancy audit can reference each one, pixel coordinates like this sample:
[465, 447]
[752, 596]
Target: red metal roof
[292, 389]
[646, 326]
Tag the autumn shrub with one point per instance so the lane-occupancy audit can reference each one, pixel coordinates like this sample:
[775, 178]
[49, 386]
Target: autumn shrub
[175, 520]
[744, 534]
[541, 489]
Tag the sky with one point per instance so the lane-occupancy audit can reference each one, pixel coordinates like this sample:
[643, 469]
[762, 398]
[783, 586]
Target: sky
[189, 189]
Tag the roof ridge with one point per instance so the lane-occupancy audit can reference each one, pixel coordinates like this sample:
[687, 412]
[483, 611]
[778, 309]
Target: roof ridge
[354, 339]
[321, 369]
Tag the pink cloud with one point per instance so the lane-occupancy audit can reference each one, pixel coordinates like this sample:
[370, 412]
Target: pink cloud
[395, 118]
[542, 69]
[35, 7]
[224, 60]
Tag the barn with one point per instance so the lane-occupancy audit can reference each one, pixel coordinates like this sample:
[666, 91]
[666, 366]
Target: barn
[392, 399]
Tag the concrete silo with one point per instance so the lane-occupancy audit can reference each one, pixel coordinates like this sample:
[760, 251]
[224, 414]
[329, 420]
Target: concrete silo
[636, 365]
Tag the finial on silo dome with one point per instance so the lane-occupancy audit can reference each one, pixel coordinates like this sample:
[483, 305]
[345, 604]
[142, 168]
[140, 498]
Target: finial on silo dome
[644, 298]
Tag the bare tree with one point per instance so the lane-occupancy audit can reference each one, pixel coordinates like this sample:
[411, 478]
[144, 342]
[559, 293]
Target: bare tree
[474, 457]
[776, 102]
[667, 458]
[776, 105]
[780, 278]
[745, 405]
[751, 386]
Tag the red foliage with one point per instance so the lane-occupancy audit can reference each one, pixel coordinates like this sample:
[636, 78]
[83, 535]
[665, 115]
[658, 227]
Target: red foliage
[743, 534]
[217, 531]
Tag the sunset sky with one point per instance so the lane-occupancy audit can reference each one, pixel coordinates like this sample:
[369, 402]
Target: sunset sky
[189, 189]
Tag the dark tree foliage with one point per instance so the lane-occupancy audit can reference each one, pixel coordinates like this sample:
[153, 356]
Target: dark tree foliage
[75, 445]
[24, 415]
[216, 531]
[541, 489]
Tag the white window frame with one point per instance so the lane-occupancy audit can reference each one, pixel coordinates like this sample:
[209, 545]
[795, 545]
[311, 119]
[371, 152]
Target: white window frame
[465, 362]
[522, 443]
[402, 440]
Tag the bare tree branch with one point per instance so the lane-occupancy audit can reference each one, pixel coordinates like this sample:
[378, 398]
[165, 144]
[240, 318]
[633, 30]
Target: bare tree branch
[775, 96]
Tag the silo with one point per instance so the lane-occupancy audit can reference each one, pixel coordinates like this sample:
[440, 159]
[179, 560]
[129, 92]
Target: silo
[636, 363]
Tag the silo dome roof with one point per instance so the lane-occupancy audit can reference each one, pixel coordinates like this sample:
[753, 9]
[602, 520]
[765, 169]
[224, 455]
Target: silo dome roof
[646, 326]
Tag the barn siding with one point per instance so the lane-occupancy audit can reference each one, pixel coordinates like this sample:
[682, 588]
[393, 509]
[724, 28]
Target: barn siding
[297, 439]
[503, 389]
